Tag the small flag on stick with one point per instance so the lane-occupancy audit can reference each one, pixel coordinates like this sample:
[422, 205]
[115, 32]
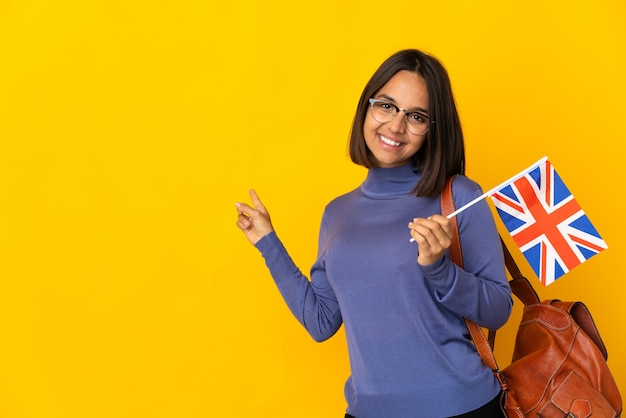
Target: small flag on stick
[546, 222]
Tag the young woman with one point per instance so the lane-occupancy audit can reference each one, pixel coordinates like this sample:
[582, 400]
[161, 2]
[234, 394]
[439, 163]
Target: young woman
[402, 304]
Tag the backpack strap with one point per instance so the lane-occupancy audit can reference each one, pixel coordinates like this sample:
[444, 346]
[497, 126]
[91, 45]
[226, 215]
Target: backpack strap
[456, 255]
[447, 207]
[520, 285]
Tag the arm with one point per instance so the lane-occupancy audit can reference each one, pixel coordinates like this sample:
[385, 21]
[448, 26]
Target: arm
[313, 303]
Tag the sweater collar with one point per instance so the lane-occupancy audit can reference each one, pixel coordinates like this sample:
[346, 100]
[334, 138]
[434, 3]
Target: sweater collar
[382, 182]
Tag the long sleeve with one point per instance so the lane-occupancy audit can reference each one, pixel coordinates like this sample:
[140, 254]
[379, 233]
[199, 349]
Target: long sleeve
[313, 303]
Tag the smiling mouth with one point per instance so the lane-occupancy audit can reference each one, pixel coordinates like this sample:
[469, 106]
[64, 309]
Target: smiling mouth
[389, 141]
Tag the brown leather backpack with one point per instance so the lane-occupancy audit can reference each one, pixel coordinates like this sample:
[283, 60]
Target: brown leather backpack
[559, 368]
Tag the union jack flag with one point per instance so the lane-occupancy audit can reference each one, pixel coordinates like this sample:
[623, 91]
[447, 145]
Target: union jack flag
[547, 224]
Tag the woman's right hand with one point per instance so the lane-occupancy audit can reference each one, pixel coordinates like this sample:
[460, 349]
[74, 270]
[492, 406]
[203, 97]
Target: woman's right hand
[253, 220]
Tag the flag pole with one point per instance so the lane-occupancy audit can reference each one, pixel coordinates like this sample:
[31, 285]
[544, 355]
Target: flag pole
[495, 189]
[498, 187]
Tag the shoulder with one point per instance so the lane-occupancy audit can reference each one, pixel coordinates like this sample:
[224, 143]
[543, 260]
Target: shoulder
[344, 199]
[465, 189]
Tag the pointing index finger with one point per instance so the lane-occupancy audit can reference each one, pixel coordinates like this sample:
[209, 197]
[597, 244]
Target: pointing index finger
[256, 202]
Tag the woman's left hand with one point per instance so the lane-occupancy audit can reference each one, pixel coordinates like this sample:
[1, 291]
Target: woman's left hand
[432, 236]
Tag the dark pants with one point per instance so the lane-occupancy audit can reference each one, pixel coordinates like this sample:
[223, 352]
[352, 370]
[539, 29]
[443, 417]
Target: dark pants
[491, 409]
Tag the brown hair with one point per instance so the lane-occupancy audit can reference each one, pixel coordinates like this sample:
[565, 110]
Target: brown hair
[443, 152]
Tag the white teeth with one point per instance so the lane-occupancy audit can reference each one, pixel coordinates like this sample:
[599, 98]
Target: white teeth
[389, 141]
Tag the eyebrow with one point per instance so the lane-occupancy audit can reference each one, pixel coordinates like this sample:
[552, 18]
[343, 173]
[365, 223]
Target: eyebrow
[414, 109]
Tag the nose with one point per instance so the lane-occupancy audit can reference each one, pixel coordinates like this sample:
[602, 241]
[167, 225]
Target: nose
[398, 124]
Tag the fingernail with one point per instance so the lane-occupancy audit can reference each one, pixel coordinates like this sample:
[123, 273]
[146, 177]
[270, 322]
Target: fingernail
[237, 204]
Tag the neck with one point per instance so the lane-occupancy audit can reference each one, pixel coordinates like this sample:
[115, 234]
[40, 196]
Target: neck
[382, 182]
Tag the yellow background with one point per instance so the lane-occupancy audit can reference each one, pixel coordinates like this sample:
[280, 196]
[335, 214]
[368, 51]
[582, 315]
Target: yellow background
[129, 129]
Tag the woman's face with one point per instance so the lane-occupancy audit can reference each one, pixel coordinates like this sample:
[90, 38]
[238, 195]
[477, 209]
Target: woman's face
[391, 143]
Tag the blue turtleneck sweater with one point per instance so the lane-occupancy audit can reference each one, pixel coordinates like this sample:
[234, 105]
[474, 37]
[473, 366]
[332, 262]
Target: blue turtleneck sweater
[410, 355]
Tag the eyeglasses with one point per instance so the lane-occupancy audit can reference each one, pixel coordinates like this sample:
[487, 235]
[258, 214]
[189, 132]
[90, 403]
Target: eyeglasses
[384, 112]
